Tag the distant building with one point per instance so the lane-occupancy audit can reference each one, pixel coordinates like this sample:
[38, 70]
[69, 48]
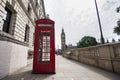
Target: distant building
[70, 46]
[63, 40]
[17, 25]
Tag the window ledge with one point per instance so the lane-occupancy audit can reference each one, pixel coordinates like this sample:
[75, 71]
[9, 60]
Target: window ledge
[7, 37]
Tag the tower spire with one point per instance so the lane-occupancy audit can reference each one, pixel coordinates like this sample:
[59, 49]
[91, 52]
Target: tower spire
[63, 40]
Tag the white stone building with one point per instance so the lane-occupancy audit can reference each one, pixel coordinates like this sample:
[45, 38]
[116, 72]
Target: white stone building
[17, 24]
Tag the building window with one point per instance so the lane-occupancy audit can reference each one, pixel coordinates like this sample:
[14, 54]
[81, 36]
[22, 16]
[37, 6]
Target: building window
[27, 30]
[6, 25]
[29, 9]
[33, 38]
[36, 3]
[35, 19]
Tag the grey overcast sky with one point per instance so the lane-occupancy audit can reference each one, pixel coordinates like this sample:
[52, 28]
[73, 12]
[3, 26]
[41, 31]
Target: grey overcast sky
[79, 19]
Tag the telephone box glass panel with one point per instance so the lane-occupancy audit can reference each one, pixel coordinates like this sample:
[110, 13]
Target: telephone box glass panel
[44, 47]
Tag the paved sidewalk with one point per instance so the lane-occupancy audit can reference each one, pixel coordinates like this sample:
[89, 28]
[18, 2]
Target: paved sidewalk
[65, 70]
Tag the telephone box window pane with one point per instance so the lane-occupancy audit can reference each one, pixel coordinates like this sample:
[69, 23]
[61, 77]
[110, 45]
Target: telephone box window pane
[46, 57]
[44, 47]
[48, 38]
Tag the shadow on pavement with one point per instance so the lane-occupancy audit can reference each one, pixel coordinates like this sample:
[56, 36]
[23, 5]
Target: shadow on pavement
[27, 75]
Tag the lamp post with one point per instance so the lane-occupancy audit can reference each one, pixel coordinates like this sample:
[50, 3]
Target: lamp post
[101, 39]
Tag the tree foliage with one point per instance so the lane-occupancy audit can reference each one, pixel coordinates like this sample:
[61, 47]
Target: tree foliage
[87, 41]
[117, 28]
[118, 9]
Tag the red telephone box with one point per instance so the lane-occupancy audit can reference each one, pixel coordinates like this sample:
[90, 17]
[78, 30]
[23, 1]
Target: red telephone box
[44, 47]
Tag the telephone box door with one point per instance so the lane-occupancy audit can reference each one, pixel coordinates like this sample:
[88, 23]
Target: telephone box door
[44, 50]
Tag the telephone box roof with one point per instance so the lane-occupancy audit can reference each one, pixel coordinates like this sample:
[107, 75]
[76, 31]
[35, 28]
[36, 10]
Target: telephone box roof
[47, 21]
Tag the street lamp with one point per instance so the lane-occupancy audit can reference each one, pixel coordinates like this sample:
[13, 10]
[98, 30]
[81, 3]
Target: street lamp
[102, 39]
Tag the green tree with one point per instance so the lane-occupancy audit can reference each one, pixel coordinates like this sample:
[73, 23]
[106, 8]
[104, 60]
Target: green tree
[117, 28]
[118, 9]
[87, 41]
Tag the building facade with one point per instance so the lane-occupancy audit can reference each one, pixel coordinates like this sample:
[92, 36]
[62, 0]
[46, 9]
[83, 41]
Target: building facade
[17, 25]
[63, 40]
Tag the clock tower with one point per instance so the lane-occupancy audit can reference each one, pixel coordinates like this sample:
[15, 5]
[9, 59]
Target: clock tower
[63, 41]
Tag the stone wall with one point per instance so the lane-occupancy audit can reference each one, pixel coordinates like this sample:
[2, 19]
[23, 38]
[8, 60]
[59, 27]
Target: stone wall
[12, 57]
[103, 56]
